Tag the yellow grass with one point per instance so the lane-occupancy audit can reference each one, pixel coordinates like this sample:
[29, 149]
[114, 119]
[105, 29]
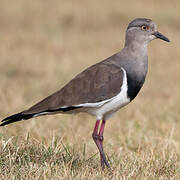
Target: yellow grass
[43, 44]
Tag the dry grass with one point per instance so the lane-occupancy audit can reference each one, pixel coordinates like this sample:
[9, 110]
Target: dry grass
[43, 45]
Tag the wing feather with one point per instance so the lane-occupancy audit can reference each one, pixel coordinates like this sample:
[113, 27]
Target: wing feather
[98, 83]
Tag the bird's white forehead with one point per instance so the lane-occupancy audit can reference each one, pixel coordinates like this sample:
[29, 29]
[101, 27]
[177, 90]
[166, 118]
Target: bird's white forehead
[154, 26]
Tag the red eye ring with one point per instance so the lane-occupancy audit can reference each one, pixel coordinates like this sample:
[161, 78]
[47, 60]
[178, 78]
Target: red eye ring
[144, 27]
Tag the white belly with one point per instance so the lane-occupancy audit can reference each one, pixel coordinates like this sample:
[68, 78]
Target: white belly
[108, 109]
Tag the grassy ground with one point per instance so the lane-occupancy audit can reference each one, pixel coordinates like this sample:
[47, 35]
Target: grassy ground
[43, 44]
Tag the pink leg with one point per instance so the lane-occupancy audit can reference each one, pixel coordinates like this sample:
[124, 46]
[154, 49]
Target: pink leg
[98, 139]
[101, 138]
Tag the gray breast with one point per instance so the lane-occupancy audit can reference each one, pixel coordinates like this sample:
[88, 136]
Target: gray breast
[136, 74]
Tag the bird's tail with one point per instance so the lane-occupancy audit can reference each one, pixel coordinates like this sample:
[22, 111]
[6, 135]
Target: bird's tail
[16, 117]
[28, 114]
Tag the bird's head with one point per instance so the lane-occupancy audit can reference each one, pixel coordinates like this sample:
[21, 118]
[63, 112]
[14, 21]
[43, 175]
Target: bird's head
[142, 31]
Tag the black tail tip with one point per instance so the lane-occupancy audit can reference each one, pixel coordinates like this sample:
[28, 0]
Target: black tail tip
[14, 118]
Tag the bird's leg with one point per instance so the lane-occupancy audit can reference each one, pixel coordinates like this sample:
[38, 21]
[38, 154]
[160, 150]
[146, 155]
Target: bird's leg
[101, 138]
[98, 139]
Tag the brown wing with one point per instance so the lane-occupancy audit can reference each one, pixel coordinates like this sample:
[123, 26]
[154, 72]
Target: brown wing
[97, 83]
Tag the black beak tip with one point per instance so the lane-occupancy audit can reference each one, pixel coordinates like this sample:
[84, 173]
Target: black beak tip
[167, 40]
[160, 36]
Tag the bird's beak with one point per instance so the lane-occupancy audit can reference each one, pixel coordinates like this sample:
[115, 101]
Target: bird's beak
[160, 36]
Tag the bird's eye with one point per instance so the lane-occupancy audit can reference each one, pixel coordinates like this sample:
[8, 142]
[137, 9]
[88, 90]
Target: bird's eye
[144, 28]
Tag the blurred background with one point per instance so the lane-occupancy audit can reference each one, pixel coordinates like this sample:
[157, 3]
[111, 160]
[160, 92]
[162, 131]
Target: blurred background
[43, 44]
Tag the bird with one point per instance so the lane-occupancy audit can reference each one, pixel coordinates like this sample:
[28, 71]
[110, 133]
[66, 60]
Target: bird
[103, 88]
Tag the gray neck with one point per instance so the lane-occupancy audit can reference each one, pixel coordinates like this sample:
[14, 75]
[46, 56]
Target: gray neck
[136, 60]
[133, 58]
[136, 48]
[136, 65]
